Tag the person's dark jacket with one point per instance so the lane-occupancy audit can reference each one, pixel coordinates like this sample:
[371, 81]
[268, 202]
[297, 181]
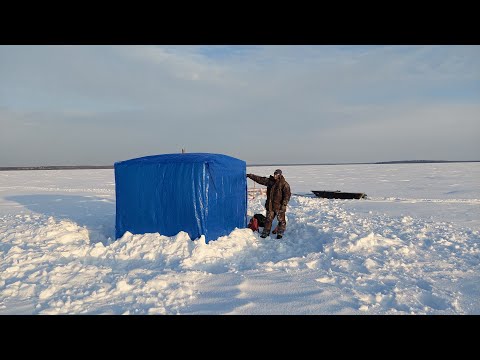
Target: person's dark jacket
[278, 191]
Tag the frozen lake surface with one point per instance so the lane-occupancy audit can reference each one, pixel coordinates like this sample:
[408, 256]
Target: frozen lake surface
[411, 247]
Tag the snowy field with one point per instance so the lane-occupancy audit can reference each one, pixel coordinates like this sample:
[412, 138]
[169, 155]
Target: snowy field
[411, 247]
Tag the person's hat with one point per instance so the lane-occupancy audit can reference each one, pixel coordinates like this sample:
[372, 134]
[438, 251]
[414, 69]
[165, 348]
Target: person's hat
[278, 171]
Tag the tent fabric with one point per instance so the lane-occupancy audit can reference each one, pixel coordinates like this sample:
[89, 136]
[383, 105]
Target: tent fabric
[199, 193]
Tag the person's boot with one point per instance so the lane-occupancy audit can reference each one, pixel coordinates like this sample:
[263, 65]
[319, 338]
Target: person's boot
[279, 235]
[264, 234]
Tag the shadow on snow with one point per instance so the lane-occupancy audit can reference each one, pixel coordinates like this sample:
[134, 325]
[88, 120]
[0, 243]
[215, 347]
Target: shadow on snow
[95, 213]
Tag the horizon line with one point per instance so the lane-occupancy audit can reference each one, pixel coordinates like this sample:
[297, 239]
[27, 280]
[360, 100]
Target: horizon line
[85, 167]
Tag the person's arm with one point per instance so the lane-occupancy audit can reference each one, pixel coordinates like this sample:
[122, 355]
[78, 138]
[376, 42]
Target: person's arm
[286, 194]
[258, 179]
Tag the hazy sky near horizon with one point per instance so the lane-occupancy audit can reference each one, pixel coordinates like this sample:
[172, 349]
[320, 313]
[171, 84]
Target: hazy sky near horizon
[75, 105]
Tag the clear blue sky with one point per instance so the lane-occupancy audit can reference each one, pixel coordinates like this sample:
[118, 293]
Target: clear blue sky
[74, 105]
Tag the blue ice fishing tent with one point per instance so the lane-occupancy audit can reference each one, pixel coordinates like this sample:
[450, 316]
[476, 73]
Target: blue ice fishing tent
[199, 193]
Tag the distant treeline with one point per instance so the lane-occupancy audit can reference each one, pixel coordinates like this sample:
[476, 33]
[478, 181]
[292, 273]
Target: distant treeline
[6, 168]
[55, 167]
[373, 163]
[424, 161]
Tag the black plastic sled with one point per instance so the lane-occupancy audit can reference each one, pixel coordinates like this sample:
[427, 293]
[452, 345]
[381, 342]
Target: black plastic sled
[339, 194]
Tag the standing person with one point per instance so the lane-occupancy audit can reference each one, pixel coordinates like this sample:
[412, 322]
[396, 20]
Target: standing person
[278, 195]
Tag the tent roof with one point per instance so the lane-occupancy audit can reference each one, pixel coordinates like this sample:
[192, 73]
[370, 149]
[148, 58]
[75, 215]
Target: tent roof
[182, 158]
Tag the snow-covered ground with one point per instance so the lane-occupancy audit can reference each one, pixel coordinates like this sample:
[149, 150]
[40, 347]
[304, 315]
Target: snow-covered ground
[412, 247]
